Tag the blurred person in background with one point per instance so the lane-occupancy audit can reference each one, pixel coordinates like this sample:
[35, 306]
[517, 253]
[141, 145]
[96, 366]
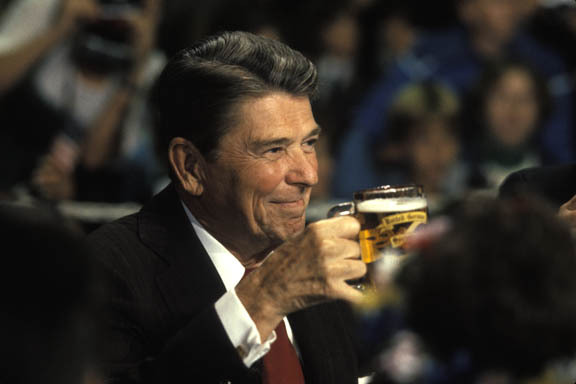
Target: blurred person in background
[95, 84]
[422, 145]
[331, 39]
[29, 31]
[491, 30]
[491, 297]
[49, 300]
[552, 22]
[260, 17]
[503, 123]
[553, 184]
[184, 22]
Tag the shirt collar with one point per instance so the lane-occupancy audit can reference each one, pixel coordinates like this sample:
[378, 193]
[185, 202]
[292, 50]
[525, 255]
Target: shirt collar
[227, 265]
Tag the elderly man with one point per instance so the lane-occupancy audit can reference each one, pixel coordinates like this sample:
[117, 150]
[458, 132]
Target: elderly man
[217, 279]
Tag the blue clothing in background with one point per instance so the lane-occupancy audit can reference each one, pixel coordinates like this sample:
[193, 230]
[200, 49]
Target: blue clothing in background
[447, 57]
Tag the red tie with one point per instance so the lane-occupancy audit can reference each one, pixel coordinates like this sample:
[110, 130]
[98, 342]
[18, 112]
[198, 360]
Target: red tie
[281, 363]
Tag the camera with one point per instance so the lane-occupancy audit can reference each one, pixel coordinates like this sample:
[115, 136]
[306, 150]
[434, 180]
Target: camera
[104, 46]
[118, 8]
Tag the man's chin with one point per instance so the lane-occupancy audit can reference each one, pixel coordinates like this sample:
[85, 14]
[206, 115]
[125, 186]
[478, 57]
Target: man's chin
[295, 228]
[289, 229]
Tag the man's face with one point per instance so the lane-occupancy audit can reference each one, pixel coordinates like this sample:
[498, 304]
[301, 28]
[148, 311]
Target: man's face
[258, 188]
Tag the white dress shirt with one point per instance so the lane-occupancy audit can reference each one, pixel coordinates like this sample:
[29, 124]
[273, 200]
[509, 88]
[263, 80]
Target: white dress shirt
[237, 322]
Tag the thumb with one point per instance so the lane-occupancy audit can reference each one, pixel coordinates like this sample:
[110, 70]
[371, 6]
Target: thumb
[571, 204]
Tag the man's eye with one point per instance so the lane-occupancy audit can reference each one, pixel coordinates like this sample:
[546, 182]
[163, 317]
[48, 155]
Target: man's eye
[274, 150]
[311, 143]
[274, 153]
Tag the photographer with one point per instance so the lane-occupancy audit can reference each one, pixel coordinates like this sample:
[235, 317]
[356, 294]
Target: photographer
[30, 28]
[95, 83]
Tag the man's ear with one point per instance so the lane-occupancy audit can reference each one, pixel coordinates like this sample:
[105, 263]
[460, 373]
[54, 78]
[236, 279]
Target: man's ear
[187, 163]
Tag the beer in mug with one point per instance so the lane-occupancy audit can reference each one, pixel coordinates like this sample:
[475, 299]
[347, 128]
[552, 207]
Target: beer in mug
[387, 215]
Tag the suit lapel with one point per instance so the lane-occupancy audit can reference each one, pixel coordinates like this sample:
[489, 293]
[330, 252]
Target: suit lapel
[190, 282]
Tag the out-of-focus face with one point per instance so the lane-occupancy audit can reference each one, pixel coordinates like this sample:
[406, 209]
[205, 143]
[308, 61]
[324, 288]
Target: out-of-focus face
[258, 188]
[340, 37]
[434, 151]
[399, 35]
[512, 110]
[496, 18]
[527, 8]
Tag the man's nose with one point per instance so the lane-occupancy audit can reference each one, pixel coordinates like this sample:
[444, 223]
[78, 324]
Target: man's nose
[303, 169]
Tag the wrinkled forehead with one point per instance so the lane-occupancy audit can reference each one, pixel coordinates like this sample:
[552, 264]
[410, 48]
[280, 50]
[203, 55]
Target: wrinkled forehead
[270, 114]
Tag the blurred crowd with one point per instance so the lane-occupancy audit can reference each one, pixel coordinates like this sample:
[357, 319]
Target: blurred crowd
[452, 95]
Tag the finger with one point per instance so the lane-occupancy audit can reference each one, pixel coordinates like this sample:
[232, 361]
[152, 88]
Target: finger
[44, 188]
[341, 249]
[346, 292]
[570, 204]
[48, 164]
[341, 226]
[568, 217]
[346, 269]
[43, 179]
[48, 174]
[44, 174]
[153, 8]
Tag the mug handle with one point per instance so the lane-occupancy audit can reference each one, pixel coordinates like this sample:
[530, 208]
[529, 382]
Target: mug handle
[343, 209]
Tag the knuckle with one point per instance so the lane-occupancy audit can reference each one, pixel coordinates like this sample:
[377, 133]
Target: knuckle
[330, 288]
[352, 222]
[327, 246]
[318, 240]
[313, 229]
[362, 267]
[320, 286]
[354, 248]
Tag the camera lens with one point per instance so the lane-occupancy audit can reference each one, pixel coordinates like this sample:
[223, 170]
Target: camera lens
[104, 46]
[119, 7]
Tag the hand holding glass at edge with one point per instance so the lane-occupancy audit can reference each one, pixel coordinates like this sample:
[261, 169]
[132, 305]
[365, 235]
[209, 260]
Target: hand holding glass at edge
[387, 215]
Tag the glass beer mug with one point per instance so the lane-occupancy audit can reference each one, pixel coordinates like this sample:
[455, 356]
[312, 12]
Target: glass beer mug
[387, 215]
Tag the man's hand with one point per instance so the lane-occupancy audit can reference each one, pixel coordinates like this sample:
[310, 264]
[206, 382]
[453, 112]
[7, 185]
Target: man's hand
[304, 271]
[567, 212]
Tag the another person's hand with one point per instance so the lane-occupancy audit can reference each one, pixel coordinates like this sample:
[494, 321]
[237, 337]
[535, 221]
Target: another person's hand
[52, 181]
[75, 11]
[304, 271]
[567, 212]
[144, 25]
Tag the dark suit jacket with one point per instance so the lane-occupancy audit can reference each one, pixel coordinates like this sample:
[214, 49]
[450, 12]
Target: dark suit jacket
[161, 325]
[554, 184]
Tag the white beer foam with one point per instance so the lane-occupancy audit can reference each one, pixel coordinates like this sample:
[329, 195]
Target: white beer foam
[400, 204]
